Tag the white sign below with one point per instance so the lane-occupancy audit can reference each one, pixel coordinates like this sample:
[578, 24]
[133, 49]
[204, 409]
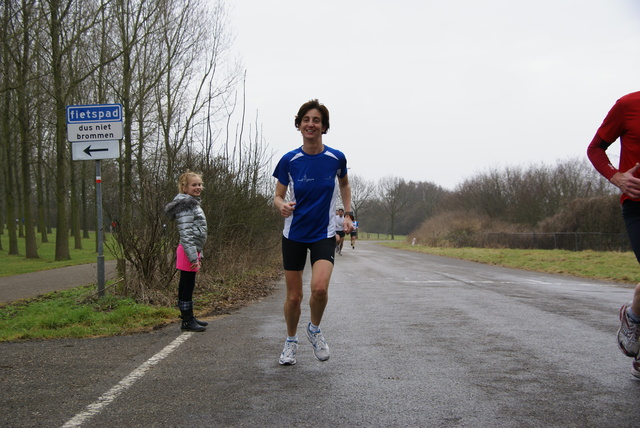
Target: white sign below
[95, 150]
[79, 132]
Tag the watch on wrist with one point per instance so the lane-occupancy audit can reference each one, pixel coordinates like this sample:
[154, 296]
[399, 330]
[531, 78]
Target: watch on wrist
[350, 214]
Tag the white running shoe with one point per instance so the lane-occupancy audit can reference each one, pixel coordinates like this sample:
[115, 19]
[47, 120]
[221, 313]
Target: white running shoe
[628, 333]
[288, 356]
[635, 367]
[320, 347]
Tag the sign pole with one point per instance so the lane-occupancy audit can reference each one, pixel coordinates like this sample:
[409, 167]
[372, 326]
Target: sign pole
[100, 229]
[94, 131]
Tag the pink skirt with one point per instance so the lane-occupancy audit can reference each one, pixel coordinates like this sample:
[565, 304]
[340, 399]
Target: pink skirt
[182, 261]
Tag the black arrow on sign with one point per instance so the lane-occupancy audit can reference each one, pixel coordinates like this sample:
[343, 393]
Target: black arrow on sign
[88, 150]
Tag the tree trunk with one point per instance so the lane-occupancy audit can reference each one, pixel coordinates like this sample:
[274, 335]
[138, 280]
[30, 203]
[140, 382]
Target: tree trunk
[31, 248]
[62, 163]
[6, 141]
[75, 211]
[41, 189]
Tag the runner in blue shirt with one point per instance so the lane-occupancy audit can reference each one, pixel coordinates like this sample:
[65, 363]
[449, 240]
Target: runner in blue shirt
[354, 234]
[309, 180]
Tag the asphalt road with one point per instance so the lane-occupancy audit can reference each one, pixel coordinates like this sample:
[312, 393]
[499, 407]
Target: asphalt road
[416, 341]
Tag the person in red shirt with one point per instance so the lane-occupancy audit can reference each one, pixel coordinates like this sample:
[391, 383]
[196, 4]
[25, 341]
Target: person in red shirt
[623, 122]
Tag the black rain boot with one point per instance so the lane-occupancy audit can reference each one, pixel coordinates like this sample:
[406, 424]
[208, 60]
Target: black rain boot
[189, 322]
[200, 322]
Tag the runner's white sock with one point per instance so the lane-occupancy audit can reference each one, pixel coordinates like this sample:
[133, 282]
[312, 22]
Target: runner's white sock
[292, 338]
[313, 328]
[633, 316]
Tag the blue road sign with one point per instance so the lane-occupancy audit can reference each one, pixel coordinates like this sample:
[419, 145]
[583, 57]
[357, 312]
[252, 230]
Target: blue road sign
[95, 122]
[94, 113]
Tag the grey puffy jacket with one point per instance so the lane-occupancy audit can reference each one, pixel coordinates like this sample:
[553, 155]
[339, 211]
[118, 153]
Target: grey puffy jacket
[191, 221]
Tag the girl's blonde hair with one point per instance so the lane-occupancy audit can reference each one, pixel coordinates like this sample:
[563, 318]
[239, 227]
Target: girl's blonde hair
[184, 180]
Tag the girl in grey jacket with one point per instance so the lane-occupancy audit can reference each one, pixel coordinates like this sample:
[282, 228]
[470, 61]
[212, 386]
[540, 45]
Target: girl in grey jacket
[192, 226]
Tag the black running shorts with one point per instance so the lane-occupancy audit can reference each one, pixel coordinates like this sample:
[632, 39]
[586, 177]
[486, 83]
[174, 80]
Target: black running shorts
[631, 217]
[294, 254]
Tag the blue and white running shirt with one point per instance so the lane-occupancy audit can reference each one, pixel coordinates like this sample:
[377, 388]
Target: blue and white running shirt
[313, 186]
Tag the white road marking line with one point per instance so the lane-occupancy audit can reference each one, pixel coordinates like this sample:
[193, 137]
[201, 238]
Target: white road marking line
[106, 399]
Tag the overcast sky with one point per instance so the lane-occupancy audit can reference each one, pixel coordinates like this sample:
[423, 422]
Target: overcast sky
[439, 91]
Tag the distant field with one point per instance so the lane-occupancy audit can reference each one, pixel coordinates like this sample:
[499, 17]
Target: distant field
[14, 265]
[380, 236]
[601, 265]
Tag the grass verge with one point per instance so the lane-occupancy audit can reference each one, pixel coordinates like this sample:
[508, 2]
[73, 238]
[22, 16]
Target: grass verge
[18, 264]
[78, 313]
[606, 266]
[75, 314]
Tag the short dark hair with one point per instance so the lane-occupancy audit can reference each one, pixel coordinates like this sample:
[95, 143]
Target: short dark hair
[310, 105]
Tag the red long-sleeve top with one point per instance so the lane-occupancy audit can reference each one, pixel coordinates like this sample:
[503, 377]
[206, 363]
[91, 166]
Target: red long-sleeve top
[622, 121]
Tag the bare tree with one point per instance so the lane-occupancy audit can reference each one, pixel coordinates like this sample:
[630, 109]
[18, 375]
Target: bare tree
[24, 106]
[486, 193]
[363, 193]
[394, 197]
[9, 41]
[424, 198]
[68, 22]
[40, 160]
[138, 74]
[193, 38]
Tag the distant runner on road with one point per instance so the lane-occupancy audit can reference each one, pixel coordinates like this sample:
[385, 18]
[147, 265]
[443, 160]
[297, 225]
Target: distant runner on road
[339, 230]
[354, 234]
